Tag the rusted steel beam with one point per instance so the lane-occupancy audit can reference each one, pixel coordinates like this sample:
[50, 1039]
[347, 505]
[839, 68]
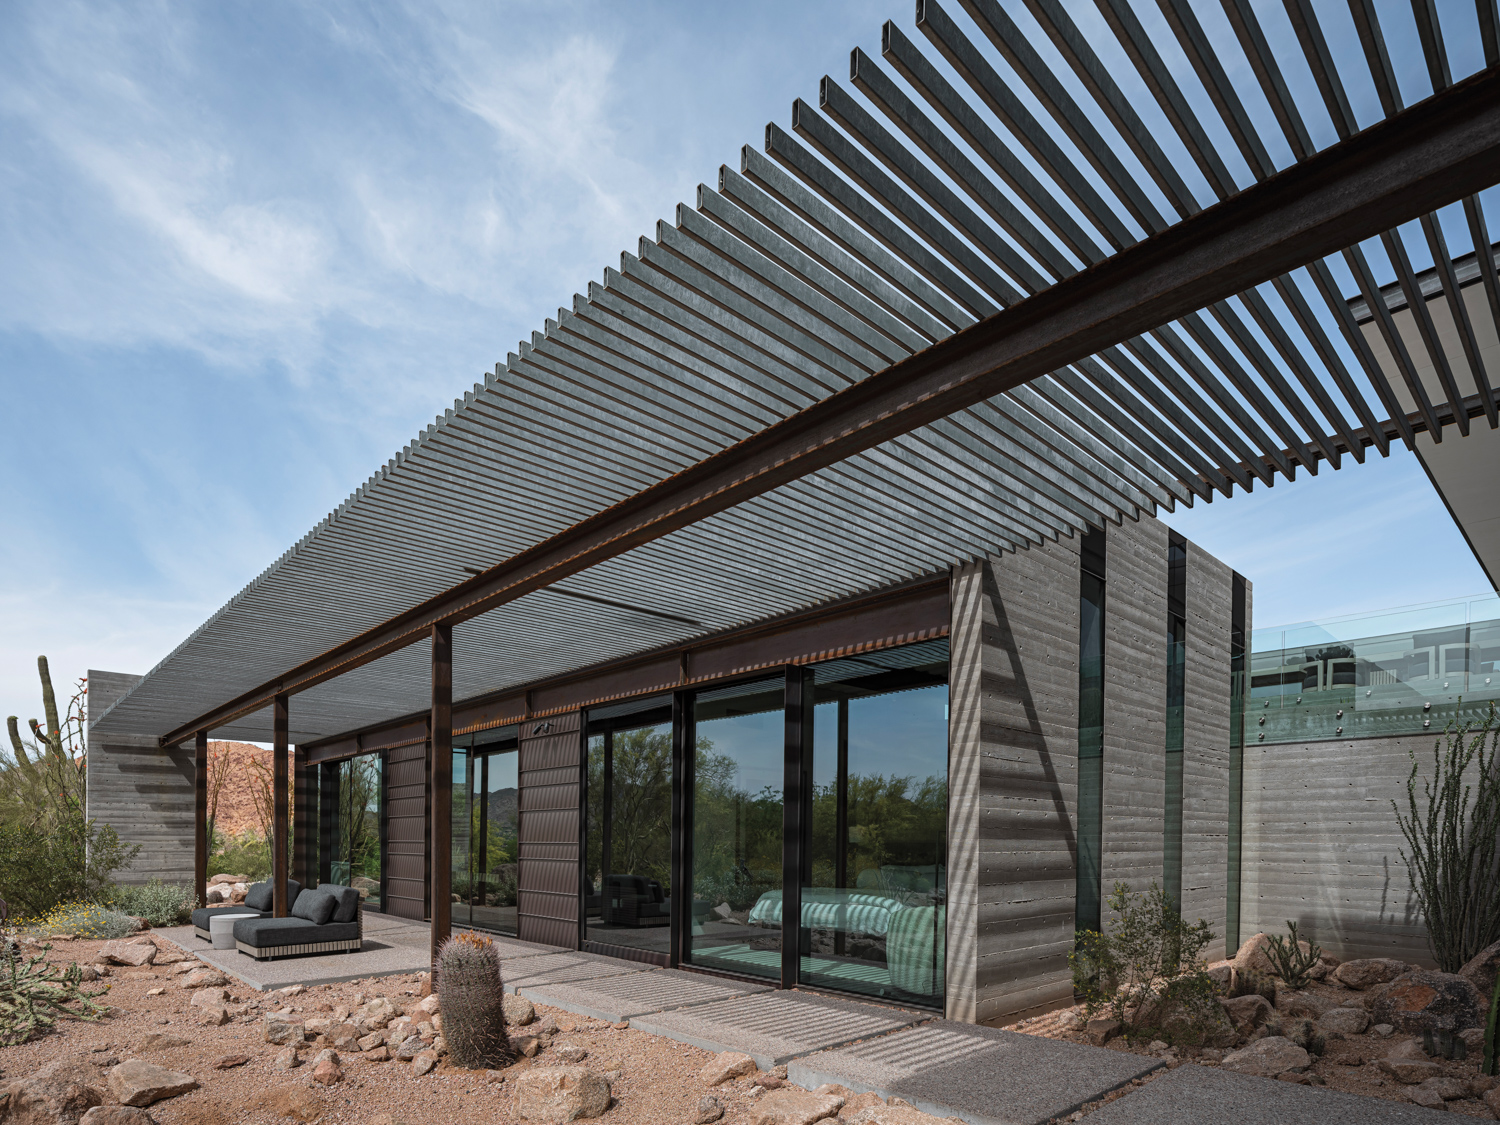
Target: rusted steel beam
[1437, 151]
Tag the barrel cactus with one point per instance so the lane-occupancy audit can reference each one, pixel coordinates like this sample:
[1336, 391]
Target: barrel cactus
[472, 1000]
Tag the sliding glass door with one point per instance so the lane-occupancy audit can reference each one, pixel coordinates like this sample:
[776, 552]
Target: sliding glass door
[628, 826]
[737, 769]
[353, 800]
[875, 883]
[485, 805]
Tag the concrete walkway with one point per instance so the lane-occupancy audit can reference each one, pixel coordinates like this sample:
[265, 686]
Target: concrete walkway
[981, 1075]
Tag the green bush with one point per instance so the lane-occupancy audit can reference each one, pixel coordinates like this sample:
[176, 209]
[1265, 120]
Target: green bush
[160, 904]
[81, 919]
[68, 860]
[1146, 971]
[248, 854]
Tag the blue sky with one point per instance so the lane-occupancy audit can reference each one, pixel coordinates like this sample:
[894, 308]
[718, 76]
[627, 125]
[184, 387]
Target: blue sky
[250, 250]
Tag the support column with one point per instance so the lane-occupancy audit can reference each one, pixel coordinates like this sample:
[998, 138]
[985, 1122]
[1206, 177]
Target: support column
[201, 842]
[279, 811]
[440, 765]
[304, 819]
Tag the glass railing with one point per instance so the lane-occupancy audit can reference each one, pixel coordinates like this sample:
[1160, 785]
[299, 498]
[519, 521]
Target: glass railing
[1396, 671]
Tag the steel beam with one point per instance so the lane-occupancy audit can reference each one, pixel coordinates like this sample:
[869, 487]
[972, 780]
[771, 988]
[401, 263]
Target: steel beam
[201, 842]
[279, 794]
[440, 765]
[1434, 153]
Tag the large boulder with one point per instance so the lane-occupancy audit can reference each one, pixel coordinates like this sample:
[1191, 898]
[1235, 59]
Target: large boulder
[1252, 956]
[137, 1082]
[1274, 1055]
[1343, 1021]
[1369, 972]
[1481, 970]
[1421, 1000]
[1407, 1062]
[130, 953]
[58, 1094]
[1247, 1013]
[1301, 1005]
[559, 1094]
[794, 1107]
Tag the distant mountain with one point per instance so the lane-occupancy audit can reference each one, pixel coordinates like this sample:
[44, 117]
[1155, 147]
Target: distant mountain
[504, 804]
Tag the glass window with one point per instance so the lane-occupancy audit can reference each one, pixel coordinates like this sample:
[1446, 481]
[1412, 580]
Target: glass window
[485, 802]
[875, 883]
[356, 834]
[628, 852]
[738, 768]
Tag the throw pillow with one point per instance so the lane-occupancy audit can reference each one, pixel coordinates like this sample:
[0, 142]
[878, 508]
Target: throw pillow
[259, 895]
[316, 907]
[347, 898]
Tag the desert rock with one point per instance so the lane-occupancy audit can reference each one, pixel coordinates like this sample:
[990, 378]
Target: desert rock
[137, 1082]
[556, 1095]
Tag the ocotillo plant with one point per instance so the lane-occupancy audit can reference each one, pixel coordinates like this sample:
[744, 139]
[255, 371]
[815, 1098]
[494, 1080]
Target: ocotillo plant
[471, 998]
[1451, 834]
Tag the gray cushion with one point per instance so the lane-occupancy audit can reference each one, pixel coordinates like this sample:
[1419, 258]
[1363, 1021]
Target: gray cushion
[260, 899]
[348, 899]
[271, 933]
[203, 914]
[316, 907]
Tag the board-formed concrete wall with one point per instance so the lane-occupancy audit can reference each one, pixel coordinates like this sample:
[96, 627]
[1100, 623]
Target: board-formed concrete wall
[1205, 745]
[1013, 783]
[143, 792]
[1013, 757]
[1135, 703]
[1322, 847]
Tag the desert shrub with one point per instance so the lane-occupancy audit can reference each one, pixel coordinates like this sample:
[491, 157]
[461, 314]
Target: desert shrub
[62, 860]
[248, 854]
[1247, 982]
[35, 994]
[1453, 833]
[1146, 970]
[1293, 965]
[160, 904]
[81, 919]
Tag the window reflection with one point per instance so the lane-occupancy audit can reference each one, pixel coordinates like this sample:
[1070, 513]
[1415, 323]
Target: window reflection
[874, 897]
[738, 769]
[628, 860]
[485, 806]
[357, 797]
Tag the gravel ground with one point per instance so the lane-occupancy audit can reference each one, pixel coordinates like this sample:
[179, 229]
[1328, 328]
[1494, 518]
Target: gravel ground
[659, 1083]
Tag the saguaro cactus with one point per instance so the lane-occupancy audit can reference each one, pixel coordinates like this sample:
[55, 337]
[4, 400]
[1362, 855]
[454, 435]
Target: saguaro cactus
[472, 1000]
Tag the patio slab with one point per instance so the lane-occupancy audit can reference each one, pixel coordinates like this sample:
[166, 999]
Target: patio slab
[1204, 1093]
[626, 997]
[980, 1074]
[776, 1027]
[563, 968]
[392, 946]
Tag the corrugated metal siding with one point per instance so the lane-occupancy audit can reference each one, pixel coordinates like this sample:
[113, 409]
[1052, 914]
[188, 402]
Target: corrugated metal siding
[406, 858]
[547, 875]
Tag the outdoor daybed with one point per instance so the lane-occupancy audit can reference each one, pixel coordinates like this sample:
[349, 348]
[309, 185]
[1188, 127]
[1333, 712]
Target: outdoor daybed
[325, 920]
[258, 901]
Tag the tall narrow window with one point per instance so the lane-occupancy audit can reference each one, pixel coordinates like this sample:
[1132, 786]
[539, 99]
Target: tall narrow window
[1237, 693]
[1090, 731]
[628, 817]
[1176, 694]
